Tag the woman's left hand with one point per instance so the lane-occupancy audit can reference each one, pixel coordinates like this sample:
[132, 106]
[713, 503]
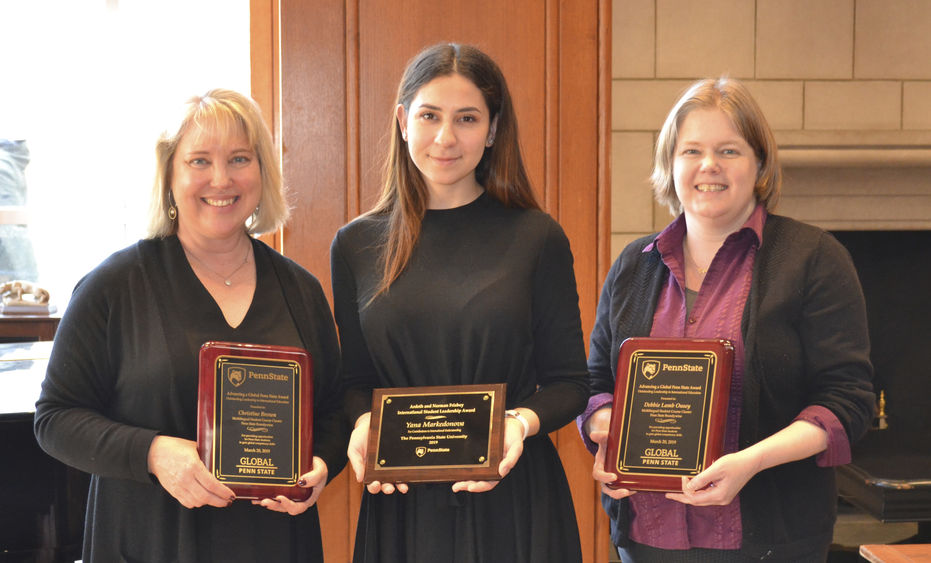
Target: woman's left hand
[720, 483]
[316, 478]
[513, 448]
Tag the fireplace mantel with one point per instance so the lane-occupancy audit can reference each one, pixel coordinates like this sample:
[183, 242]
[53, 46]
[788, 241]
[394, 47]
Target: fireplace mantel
[857, 180]
[856, 157]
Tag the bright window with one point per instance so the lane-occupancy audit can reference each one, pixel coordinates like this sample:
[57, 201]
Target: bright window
[87, 84]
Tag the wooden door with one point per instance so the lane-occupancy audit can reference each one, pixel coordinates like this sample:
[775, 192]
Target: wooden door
[327, 71]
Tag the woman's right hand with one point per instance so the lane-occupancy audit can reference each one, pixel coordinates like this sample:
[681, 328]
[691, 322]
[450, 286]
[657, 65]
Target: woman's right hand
[600, 437]
[178, 468]
[358, 446]
[597, 426]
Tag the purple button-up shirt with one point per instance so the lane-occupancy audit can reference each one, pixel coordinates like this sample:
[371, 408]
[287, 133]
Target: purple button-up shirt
[716, 313]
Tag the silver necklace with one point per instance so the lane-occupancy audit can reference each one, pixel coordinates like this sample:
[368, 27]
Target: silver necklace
[227, 280]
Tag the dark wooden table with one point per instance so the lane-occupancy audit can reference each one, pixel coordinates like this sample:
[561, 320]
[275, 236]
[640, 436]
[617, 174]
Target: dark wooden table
[24, 328]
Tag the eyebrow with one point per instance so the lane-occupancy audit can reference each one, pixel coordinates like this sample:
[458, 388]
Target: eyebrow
[698, 142]
[201, 152]
[460, 110]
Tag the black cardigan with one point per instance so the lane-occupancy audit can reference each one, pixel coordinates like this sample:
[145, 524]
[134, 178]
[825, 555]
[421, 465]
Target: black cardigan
[806, 339]
[131, 311]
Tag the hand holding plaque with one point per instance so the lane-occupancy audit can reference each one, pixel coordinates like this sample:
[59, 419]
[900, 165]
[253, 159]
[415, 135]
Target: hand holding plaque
[670, 404]
[255, 418]
[436, 434]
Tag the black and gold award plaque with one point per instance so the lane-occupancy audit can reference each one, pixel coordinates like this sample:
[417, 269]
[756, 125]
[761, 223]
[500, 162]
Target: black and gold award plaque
[669, 411]
[436, 434]
[255, 417]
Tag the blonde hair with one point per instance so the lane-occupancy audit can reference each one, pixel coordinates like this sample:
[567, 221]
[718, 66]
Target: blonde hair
[733, 98]
[222, 111]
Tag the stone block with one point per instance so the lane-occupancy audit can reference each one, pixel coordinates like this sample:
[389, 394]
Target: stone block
[853, 105]
[704, 39]
[803, 39]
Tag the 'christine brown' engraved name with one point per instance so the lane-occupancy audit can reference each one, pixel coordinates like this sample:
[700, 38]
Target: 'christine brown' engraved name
[257, 413]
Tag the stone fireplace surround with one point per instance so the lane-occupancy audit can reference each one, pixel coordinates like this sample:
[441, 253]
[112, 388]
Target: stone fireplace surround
[876, 199]
[846, 86]
[872, 190]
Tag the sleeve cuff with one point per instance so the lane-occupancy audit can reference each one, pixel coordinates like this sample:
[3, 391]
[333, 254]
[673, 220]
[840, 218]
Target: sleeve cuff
[595, 402]
[139, 461]
[838, 450]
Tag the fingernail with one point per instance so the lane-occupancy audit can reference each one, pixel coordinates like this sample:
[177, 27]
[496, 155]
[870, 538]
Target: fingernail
[302, 483]
[232, 498]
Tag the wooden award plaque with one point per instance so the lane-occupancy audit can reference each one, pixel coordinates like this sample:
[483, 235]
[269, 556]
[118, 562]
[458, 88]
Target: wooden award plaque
[255, 418]
[669, 411]
[436, 434]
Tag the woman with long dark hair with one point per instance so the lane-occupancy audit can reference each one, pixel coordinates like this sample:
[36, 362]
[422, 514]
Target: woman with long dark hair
[456, 277]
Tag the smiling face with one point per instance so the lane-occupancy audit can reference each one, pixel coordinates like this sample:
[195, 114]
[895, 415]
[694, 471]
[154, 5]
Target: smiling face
[714, 170]
[216, 182]
[447, 128]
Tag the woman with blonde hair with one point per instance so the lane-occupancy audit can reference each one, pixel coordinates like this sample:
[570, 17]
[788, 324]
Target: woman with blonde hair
[119, 398]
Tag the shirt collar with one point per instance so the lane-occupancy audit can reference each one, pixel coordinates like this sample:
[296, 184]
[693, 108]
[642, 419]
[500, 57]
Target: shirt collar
[674, 233]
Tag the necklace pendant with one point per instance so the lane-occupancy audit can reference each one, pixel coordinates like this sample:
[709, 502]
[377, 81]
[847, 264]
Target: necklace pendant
[228, 282]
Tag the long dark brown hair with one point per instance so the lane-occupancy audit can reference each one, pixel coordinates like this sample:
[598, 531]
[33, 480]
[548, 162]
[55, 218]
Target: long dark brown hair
[500, 171]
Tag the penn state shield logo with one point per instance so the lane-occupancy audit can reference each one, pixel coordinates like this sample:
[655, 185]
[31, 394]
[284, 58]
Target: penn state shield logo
[236, 376]
[649, 368]
[421, 451]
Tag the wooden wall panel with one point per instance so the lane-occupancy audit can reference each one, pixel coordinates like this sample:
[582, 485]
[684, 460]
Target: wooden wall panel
[335, 68]
[575, 182]
[315, 159]
[313, 128]
[263, 29]
[390, 37]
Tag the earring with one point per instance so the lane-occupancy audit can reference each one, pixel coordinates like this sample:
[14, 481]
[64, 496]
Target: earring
[404, 135]
[172, 210]
[490, 142]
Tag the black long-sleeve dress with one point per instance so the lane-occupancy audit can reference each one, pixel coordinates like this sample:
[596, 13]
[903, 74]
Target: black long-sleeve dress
[124, 369]
[488, 296]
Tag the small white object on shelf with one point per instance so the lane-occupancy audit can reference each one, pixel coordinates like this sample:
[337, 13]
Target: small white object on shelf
[24, 298]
